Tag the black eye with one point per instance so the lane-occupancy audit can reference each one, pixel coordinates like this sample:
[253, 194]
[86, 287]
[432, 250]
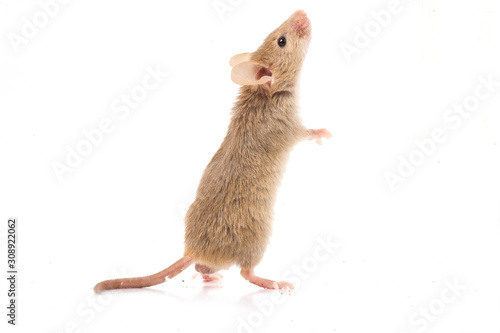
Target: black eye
[282, 41]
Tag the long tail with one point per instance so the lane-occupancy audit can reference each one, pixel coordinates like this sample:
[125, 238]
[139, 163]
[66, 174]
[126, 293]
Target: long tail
[145, 281]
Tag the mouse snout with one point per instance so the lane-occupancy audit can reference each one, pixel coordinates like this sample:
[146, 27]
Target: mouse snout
[301, 23]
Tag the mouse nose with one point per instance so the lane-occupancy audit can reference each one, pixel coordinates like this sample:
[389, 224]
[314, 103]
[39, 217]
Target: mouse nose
[300, 13]
[301, 23]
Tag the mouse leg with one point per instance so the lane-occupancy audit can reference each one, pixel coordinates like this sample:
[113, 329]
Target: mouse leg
[318, 134]
[249, 275]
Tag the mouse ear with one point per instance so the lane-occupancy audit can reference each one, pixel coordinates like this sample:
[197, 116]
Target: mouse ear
[239, 58]
[250, 73]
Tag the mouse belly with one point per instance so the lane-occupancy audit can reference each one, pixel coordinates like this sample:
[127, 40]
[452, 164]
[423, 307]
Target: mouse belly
[234, 233]
[230, 220]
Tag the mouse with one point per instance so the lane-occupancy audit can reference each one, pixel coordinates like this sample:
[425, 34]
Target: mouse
[230, 220]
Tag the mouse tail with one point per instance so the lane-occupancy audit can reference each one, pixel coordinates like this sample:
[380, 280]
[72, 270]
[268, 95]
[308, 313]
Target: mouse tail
[145, 281]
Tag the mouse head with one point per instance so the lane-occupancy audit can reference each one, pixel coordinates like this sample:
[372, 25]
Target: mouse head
[277, 63]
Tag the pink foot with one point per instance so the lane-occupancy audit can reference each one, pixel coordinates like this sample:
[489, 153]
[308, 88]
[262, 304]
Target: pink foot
[318, 134]
[285, 285]
[208, 277]
[211, 277]
[265, 283]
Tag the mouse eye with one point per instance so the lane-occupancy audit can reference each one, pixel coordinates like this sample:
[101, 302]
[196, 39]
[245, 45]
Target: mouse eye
[282, 41]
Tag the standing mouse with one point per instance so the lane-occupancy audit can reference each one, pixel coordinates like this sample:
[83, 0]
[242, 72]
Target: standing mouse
[229, 222]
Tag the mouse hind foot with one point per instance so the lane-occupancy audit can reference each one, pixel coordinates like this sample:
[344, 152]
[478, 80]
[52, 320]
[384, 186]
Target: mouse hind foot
[249, 275]
[208, 277]
[207, 273]
[211, 277]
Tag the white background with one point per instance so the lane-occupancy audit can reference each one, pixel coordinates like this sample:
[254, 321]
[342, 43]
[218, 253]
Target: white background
[121, 210]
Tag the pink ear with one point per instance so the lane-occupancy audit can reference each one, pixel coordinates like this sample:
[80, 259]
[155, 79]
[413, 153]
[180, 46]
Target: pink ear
[239, 58]
[246, 74]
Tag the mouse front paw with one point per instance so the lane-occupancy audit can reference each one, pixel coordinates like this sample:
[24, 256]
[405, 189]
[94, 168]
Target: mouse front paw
[318, 134]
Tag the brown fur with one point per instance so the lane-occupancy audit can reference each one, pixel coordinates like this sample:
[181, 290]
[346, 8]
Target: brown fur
[229, 223]
[230, 220]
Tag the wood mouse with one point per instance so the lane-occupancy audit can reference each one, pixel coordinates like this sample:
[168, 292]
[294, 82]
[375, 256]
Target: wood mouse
[229, 222]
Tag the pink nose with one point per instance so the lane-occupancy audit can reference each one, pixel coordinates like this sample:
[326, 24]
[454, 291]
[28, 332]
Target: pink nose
[301, 23]
[300, 12]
